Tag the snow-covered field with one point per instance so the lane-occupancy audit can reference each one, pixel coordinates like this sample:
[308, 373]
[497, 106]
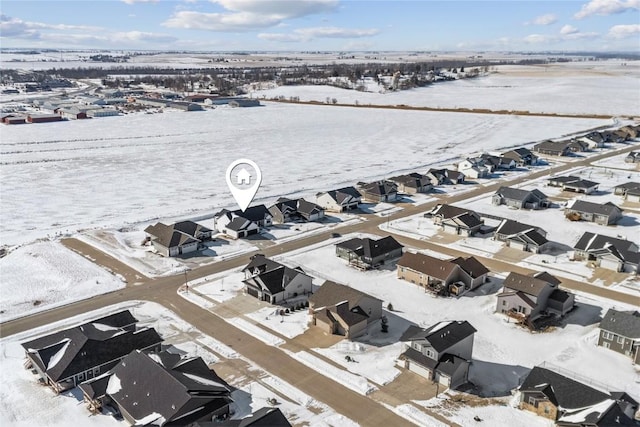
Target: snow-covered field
[118, 171]
[20, 389]
[43, 275]
[533, 90]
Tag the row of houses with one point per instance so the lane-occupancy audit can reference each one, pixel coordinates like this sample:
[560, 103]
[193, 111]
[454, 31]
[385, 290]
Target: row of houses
[120, 366]
[588, 142]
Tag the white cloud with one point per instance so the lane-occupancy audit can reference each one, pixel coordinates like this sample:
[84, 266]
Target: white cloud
[547, 19]
[606, 7]
[248, 15]
[624, 31]
[539, 38]
[568, 29]
[307, 34]
[579, 36]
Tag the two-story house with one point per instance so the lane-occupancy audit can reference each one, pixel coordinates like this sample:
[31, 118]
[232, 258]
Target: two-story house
[369, 253]
[273, 282]
[455, 220]
[440, 353]
[620, 332]
[340, 200]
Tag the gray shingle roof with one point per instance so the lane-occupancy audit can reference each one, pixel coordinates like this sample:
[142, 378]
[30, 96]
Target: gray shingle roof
[371, 248]
[332, 293]
[527, 284]
[442, 335]
[562, 391]
[519, 194]
[594, 208]
[625, 323]
[428, 265]
[509, 227]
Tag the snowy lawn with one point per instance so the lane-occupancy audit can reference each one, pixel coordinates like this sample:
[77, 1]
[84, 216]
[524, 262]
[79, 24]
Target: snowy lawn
[617, 162]
[503, 352]
[255, 331]
[220, 287]
[45, 274]
[290, 325]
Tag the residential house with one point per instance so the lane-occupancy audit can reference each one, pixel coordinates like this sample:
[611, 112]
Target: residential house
[292, 210]
[633, 157]
[498, 162]
[447, 176]
[552, 148]
[573, 183]
[340, 200]
[238, 224]
[576, 145]
[379, 191]
[630, 191]
[177, 239]
[442, 277]
[603, 214]
[615, 136]
[455, 220]
[342, 310]
[413, 183]
[522, 156]
[273, 282]
[608, 252]
[631, 131]
[531, 297]
[263, 417]
[66, 358]
[521, 236]
[520, 199]
[368, 253]
[160, 389]
[473, 168]
[570, 403]
[593, 140]
[620, 332]
[440, 353]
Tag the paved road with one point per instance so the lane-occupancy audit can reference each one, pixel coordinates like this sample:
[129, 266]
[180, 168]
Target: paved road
[163, 291]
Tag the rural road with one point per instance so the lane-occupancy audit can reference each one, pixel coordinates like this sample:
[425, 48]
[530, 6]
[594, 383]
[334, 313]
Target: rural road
[362, 409]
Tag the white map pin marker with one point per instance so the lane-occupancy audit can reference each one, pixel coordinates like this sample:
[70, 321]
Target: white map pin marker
[243, 178]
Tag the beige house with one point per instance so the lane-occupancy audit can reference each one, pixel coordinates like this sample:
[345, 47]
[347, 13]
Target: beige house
[341, 310]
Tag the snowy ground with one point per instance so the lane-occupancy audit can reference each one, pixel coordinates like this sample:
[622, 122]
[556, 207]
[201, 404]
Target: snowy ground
[20, 388]
[535, 92]
[617, 162]
[49, 165]
[45, 274]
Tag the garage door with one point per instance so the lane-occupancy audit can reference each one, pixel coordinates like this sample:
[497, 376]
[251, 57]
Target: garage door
[610, 264]
[252, 292]
[517, 245]
[424, 372]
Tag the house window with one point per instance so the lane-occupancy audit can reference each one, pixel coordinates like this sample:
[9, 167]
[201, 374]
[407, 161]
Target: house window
[606, 345]
[504, 302]
[81, 376]
[532, 401]
[607, 336]
[546, 409]
[620, 340]
[430, 353]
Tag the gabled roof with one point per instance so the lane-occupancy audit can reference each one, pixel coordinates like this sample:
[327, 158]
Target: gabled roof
[332, 293]
[510, 227]
[624, 250]
[296, 206]
[629, 185]
[594, 208]
[370, 248]
[261, 263]
[254, 213]
[581, 184]
[519, 194]
[163, 388]
[528, 284]
[413, 180]
[559, 146]
[275, 280]
[471, 266]
[441, 336]
[562, 391]
[467, 219]
[564, 179]
[239, 223]
[530, 236]
[71, 351]
[428, 265]
[380, 188]
[350, 316]
[625, 323]
[342, 194]
[450, 211]
[263, 417]
[178, 234]
[191, 228]
[518, 153]
[559, 295]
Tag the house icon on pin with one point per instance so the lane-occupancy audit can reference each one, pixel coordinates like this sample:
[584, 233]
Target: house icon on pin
[243, 177]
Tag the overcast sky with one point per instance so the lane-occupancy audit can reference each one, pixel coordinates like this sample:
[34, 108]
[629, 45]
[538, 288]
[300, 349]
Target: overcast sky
[335, 25]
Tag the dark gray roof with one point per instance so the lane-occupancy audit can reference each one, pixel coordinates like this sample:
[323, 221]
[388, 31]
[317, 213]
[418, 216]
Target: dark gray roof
[595, 208]
[191, 228]
[559, 295]
[518, 153]
[519, 194]
[238, 223]
[350, 315]
[581, 184]
[71, 351]
[442, 335]
[623, 249]
[332, 293]
[370, 248]
[629, 185]
[260, 263]
[560, 390]
[509, 227]
[380, 188]
[413, 180]
[450, 211]
[171, 236]
[341, 194]
[552, 146]
[531, 237]
[564, 179]
[275, 280]
[625, 323]
[254, 213]
[182, 390]
[528, 284]
[294, 206]
[421, 359]
[263, 417]
[449, 364]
